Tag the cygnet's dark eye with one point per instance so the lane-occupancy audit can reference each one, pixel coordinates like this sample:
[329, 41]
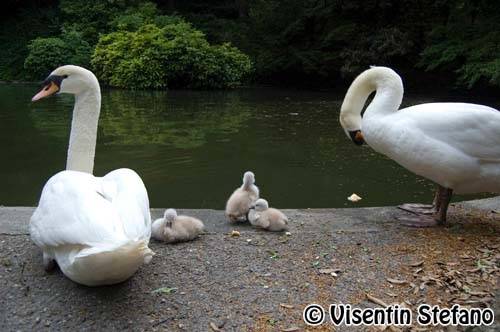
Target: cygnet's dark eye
[65, 76]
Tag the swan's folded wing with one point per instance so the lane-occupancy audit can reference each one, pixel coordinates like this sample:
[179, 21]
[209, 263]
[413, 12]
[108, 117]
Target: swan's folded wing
[131, 202]
[472, 129]
[73, 211]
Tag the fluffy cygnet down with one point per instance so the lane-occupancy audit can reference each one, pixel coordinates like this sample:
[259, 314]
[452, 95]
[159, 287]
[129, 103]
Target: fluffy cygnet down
[242, 199]
[173, 228]
[271, 219]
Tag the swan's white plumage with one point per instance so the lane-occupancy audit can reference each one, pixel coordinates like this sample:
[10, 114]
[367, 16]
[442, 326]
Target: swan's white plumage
[453, 144]
[91, 215]
[96, 228]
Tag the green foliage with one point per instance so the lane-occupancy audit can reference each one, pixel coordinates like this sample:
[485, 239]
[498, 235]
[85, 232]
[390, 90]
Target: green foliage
[92, 17]
[135, 17]
[15, 33]
[175, 55]
[222, 66]
[468, 44]
[320, 40]
[288, 41]
[45, 54]
[131, 59]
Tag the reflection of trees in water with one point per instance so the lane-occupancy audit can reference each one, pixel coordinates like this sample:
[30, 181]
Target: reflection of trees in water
[52, 117]
[179, 119]
[182, 120]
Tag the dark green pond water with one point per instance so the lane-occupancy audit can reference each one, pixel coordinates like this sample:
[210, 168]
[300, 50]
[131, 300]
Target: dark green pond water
[191, 147]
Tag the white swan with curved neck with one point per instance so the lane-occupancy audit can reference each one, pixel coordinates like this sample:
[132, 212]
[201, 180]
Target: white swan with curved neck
[96, 228]
[455, 145]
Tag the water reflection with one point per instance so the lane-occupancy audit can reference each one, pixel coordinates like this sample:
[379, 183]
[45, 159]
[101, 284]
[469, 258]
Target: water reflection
[191, 147]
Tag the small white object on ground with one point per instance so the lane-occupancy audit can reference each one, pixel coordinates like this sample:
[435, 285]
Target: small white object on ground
[354, 198]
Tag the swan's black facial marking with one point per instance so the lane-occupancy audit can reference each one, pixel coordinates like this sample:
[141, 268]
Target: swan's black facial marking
[51, 85]
[357, 137]
[56, 79]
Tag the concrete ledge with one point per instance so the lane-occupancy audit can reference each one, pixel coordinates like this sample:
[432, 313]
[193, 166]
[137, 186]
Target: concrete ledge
[15, 220]
[240, 283]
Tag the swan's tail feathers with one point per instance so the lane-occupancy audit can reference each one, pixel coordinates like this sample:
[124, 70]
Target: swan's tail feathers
[138, 247]
[105, 264]
[148, 253]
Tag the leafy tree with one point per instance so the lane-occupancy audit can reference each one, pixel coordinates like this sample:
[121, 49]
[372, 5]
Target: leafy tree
[467, 43]
[45, 54]
[92, 17]
[18, 26]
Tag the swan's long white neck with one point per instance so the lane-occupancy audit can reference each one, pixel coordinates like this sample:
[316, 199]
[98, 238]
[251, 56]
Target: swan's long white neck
[388, 94]
[83, 135]
[388, 89]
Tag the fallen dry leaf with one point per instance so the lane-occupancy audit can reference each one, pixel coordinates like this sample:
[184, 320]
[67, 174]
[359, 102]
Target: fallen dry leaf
[376, 300]
[288, 306]
[474, 293]
[417, 271]
[235, 233]
[291, 329]
[332, 272]
[326, 271]
[214, 327]
[416, 264]
[396, 281]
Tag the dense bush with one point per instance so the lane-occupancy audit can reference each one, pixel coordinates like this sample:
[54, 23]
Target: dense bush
[45, 54]
[175, 55]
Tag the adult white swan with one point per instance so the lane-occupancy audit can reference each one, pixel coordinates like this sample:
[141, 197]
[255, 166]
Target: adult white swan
[456, 145]
[96, 228]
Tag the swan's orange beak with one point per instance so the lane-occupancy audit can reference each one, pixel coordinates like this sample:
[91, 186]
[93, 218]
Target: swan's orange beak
[47, 90]
[357, 137]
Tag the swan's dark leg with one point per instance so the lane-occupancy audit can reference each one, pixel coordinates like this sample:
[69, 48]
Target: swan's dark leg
[445, 197]
[430, 217]
[436, 203]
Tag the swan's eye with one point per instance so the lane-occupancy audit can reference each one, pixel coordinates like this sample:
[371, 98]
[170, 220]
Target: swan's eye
[65, 76]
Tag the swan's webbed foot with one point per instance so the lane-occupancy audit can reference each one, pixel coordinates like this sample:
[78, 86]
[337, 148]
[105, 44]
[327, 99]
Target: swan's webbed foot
[428, 215]
[418, 221]
[49, 263]
[418, 208]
